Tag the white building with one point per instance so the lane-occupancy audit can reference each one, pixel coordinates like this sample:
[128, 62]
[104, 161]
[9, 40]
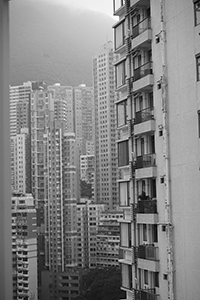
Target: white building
[158, 114]
[105, 127]
[88, 216]
[108, 238]
[19, 157]
[18, 94]
[24, 247]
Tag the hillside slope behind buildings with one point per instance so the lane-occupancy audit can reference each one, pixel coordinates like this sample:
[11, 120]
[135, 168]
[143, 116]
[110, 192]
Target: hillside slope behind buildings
[55, 43]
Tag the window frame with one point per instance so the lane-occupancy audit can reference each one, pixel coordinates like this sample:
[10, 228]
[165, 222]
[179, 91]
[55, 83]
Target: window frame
[122, 35]
[114, 5]
[125, 116]
[123, 74]
[198, 66]
[123, 160]
[198, 112]
[195, 12]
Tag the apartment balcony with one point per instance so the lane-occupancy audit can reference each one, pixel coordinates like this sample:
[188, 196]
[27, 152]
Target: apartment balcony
[142, 34]
[146, 166]
[126, 256]
[123, 133]
[124, 173]
[148, 258]
[144, 121]
[147, 212]
[143, 77]
[146, 294]
[147, 206]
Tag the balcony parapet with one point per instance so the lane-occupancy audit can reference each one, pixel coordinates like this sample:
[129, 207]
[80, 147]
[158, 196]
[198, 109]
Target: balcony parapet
[146, 294]
[149, 252]
[142, 71]
[146, 160]
[142, 26]
[144, 115]
[148, 206]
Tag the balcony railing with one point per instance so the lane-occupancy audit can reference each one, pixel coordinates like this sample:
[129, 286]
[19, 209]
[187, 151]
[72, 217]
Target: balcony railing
[147, 294]
[141, 27]
[145, 161]
[143, 71]
[144, 115]
[147, 206]
[148, 252]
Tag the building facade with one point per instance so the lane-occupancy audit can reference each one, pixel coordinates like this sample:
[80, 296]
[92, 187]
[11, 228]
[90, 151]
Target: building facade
[84, 116]
[63, 105]
[19, 107]
[24, 247]
[60, 199]
[88, 216]
[108, 238]
[105, 127]
[158, 142]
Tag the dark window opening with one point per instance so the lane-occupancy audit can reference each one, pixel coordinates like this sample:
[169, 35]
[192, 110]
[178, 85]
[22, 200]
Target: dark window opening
[196, 12]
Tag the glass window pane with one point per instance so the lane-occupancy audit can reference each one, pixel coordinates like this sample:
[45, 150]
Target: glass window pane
[123, 192]
[119, 36]
[197, 12]
[123, 157]
[121, 113]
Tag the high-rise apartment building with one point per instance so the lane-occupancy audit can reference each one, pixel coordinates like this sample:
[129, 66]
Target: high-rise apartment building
[20, 179]
[88, 216]
[24, 247]
[19, 107]
[87, 170]
[42, 110]
[84, 116]
[61, 192]
[63, 105]
[105, 127]
[61, 199]
[158, 113]
[108, 238]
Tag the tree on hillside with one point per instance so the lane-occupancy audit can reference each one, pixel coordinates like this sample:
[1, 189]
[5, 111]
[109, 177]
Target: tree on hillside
[86, 189]
[102, 284]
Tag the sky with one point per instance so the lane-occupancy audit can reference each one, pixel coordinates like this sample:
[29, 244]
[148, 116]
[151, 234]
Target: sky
[105, 6]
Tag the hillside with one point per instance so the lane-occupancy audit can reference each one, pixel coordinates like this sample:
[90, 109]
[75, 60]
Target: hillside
[55, 43]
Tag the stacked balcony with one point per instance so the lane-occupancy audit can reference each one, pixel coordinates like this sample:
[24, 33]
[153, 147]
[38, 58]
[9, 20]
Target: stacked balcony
[146, 166]
[126, 256]
[147, 211]
[144, 121]
[141, 34]
[143, 77]
[146, 294]
[148, 258]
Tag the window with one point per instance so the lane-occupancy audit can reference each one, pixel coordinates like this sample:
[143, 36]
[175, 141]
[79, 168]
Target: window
[118, 4]
[196, 12]
[121, 74]
[144, 232]
[156, 279]
[198, 66]
[123, 156]
[199, 122]
[122, 113]
[124, 193]
[119, 35]
[145, 277]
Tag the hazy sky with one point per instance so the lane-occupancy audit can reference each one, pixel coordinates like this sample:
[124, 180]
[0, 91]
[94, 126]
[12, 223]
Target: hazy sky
[104, 6]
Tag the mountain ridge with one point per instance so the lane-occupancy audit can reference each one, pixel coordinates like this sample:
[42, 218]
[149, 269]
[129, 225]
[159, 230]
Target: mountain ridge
[55, 43]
